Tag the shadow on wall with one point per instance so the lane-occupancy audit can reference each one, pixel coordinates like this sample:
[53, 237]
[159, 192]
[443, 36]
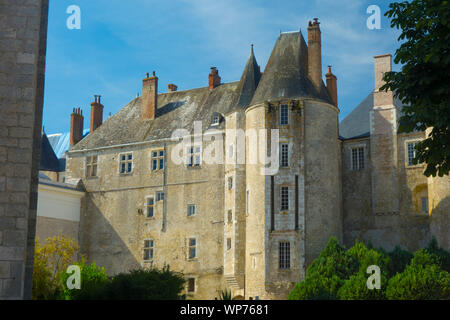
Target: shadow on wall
[439, 224]
[100, 242]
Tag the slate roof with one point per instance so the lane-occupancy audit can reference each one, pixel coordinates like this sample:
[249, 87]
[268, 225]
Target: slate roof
[286, 73]
[357, 123]
[249, 81]
[49, 161]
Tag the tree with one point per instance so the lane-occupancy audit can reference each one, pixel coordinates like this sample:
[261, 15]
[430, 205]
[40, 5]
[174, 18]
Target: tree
[50, 260]
[423, 279]
[423, 84]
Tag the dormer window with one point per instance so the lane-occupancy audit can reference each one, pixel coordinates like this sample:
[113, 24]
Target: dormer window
[215, 120]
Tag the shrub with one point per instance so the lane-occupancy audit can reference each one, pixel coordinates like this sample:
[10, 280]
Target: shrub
[50, 260]
[422, 279]
[443, 256]
[148, 284]
[92, 277]
[399, 260]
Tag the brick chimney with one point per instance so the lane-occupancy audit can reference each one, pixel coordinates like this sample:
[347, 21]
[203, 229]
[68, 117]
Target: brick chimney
[149, 100]
[172, 87]
[383, 64]
[315, 53]
[332, 85]
[96, 114]
[76, 126]
[214, 79]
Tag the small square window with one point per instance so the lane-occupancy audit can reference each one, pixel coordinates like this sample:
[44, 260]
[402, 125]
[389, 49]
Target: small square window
[215, 120]
[159, 196]
[194, 156]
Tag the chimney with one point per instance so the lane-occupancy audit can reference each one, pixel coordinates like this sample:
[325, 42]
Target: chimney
[172, 87]
[76, 126]
[315, 53]
[383, 64]
[332, 85]
[96, 114]
[214, 79]
[149, 100]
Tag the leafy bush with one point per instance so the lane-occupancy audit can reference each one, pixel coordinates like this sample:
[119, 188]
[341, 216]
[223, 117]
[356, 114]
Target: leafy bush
[92, 277]
[50, 260]
[423, 279]
[441, 254]
[399, 260]
[149, 284]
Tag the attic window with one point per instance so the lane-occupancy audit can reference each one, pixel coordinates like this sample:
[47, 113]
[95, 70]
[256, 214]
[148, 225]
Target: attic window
[215, 120]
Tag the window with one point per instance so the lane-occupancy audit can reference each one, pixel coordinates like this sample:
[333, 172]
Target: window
[91, 166]
[285, 255]
[284, 160]
[248, 201]
[425, 204]
[412, 153]
[254, 263]
[157, 160]
[191, 285]
[228, 243]
[230, 183]
[284, 114]
[215, 120]
[192, 210]
[126, 163]
[148, 249]
[192, 248]
[194, 156]
[357, 158]
[150, 207]
[230, 216]
[159, 196]
[284, 195]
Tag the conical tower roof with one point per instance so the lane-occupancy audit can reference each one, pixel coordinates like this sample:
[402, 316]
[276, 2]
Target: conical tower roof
[249, 81]
[286, 73]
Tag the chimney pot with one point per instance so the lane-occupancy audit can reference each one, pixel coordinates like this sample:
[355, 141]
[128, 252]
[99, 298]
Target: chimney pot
[96, 113]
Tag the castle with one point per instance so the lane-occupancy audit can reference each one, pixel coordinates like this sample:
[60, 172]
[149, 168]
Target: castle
[232, 224]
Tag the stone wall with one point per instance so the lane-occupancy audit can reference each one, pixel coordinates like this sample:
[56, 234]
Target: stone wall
[23, 26]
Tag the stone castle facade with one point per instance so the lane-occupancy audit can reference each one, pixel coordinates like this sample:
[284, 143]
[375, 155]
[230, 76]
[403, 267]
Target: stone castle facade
[227, 225]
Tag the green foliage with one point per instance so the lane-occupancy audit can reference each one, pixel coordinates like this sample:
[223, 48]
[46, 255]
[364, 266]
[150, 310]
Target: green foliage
[148, 284]
[91, 276]
[51, 259]
[399, 260]
[423, 83]
[423, 279]
[342, 274]
[226, 295]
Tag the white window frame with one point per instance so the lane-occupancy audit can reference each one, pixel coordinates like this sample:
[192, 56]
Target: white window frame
[230, 183]
[215, 120]
[189, 248]
[158, 196]
[407, 143]
[126, 162]
[189, 206]
[282, 194]
[230, 216]
[158, 159]
[284, 144]
[192, 156]
[358, 167]
[150, 248]
[147, 205]
[282, 106]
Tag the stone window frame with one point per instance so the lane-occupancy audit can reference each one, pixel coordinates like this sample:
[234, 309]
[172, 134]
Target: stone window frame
[188, 211]
[284, 107]
[189, 246]
[247, 201]
[426, 204]
[158, 159]
[229, 243]
[193, 155]
[282, 144]
[284, 261]
[147, 205]
[157, 196]
[195, 278]
[230, 182]
[126, 161]
[284, 209]
[364, 153]
[149, 248]
[230, 216]
[87, 164]
[407, 143]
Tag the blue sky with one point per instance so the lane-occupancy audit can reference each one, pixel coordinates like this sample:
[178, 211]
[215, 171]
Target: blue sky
[119, 41]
